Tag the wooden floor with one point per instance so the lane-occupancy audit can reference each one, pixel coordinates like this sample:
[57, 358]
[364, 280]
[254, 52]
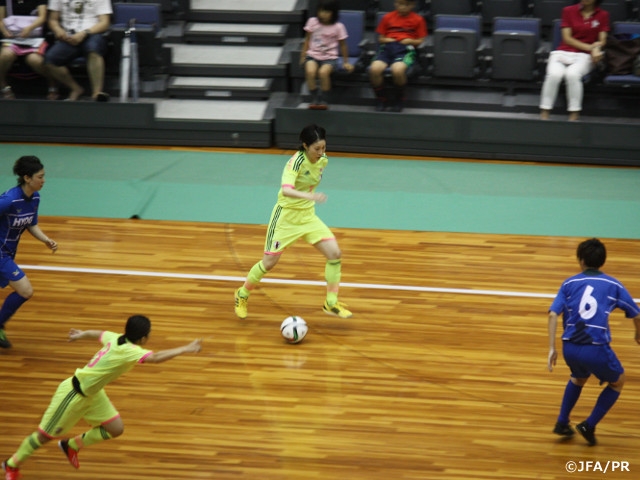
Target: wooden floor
[440, 374]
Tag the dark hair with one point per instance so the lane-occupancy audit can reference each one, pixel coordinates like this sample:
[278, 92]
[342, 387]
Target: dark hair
[592, 252]
[138, 326]
[28, 165]
[330, 6]
[312, 134]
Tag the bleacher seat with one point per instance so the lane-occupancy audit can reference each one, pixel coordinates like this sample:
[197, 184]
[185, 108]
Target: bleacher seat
[619, 10]
[515, 45]
[549, 10]
[452, 7]
[354, 22]
[148, 25]
[502, 8]
[457, 45]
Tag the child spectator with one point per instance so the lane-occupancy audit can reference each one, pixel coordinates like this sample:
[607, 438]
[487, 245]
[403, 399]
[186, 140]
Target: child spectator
[22, 43]
[319, 55]
[400, 32]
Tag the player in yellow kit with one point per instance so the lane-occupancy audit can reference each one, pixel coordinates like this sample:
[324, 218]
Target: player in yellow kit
[294, 217]
[82, 396]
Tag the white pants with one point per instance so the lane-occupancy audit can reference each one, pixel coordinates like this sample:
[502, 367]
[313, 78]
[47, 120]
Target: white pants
[570, 66]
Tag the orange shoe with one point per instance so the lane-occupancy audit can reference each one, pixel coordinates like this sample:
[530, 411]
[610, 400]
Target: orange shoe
[71, 454]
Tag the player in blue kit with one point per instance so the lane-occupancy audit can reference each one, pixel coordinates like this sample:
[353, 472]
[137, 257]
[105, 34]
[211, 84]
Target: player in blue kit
[19, 212]
[585, 301]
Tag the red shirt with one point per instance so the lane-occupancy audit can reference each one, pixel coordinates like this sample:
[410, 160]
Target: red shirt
[583, 30]
[399, 27]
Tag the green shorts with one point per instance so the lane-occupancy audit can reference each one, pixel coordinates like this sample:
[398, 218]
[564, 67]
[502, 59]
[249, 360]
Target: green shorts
[287, 225]
[68, 407]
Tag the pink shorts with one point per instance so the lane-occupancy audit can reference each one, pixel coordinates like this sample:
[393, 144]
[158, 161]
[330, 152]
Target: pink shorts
[22, 50]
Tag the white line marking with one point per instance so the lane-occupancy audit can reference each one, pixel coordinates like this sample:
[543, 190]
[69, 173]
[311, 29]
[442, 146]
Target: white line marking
[222, 278]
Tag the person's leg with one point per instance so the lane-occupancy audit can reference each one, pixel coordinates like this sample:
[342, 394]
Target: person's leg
[36, 63]
[607, 368]
[95, 69]
[324, 74]
[311, 72]
[106, 424]
[23, 291]
[376, 77]
[552, 79]
[575, 86]
[399, 75]
[57, 56]
[571, 395]
[7, 57]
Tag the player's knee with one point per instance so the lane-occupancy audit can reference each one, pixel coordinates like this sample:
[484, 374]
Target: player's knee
[116, 430]
[618, 384]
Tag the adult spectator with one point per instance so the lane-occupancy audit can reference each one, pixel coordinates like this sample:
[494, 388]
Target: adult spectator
[78, 27]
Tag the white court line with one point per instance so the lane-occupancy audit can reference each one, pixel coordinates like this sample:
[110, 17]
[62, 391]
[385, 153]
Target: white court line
[222, 278]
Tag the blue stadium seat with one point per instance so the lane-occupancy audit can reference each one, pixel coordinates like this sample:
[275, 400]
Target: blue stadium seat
[515, 44]
[457, 45]
[354, 22]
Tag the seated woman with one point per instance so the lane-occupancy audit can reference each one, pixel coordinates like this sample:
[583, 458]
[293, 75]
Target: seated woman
[584, 28]
[21, 44]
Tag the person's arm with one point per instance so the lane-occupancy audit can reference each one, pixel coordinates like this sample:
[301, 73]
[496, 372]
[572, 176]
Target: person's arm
[552, 327]
[567, 38]
[104, 22]
[164, 355]
[40, 20]
[39, 234]
[305, 47]
[5, 33]
[344, 49]
[75, 334]
[56, 27]
[636, 322]
[289, 191]
[413, 41]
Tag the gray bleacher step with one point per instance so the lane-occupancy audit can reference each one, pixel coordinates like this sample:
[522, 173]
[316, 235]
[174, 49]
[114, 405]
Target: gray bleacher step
[227, 61]
[219, 87]
[247, 11]
[235, 33]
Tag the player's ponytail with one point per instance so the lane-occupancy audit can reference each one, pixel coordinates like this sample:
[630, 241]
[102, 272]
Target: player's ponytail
[138, 326]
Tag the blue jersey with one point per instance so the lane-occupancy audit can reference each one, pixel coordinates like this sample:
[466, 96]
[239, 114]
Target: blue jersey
[17, 212]
[585, 302]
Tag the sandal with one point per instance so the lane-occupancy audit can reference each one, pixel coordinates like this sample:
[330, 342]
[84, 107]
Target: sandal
[7, 93]
[52, 93]
[102, 97]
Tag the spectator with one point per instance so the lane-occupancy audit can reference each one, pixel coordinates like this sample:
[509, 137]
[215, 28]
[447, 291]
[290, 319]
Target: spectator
[584, 30]
[78, 28]
[401, 31]
[319, 53]
[23, 44]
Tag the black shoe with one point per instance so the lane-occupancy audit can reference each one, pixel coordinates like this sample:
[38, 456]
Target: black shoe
[589, 433]
[380, 105]
[564, 429]
[397, 107]
[4, 341]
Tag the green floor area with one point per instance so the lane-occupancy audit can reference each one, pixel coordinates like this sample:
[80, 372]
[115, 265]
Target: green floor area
[363, 192]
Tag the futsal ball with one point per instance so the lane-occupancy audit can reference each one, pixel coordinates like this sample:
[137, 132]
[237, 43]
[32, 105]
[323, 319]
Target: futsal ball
[293, 329]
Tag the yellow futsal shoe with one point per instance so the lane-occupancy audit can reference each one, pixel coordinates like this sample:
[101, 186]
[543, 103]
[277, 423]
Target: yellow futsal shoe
[241, 305]
[338, 310]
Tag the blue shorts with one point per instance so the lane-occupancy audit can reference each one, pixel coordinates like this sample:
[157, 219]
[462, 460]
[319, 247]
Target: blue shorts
[599, 360]
[62, 53]
[333, 63]
[393, 52]
[9, 271]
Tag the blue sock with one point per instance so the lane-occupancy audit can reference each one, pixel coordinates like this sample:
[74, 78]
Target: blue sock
[10, 306]
[571, 394]
[605, 401]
